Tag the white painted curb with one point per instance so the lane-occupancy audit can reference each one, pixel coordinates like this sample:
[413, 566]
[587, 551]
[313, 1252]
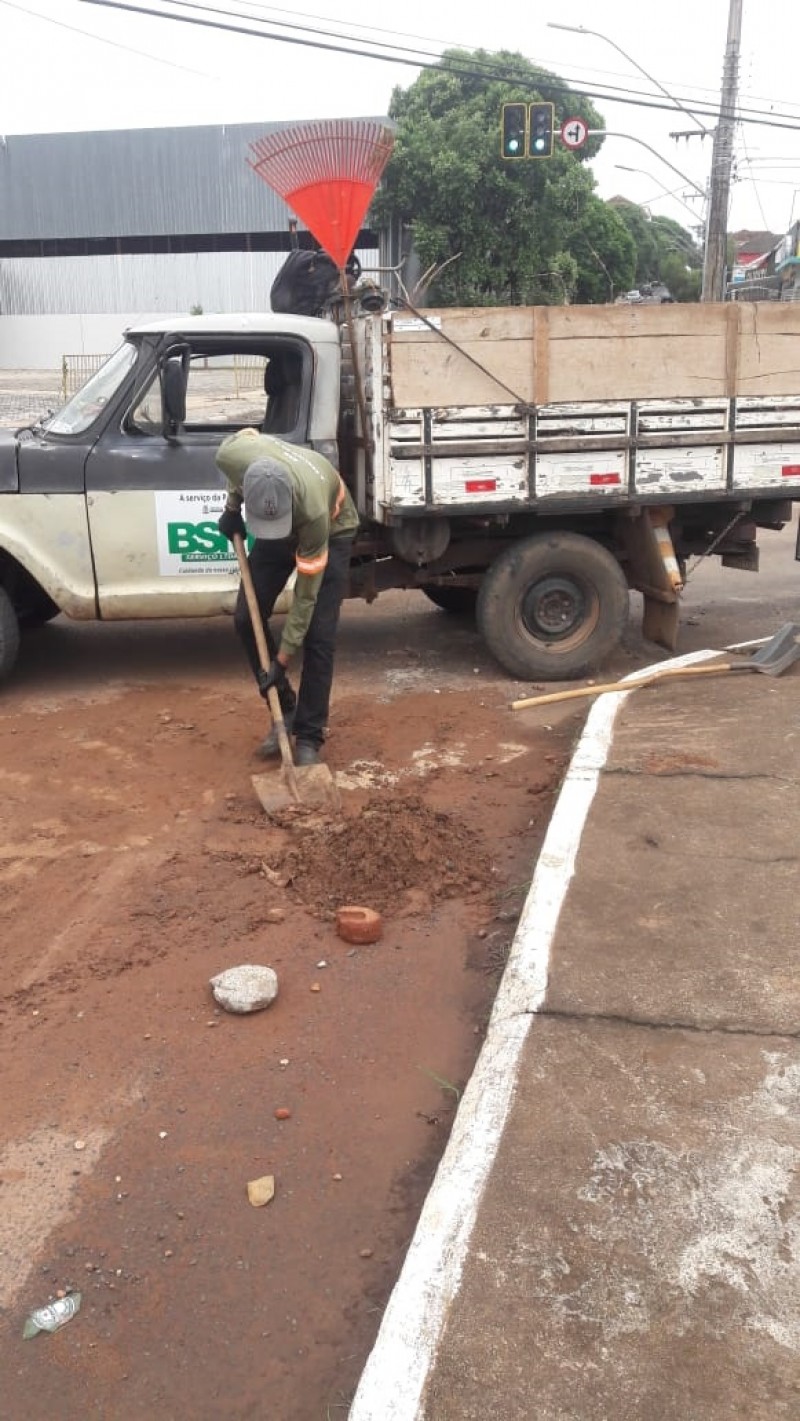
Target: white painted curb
[393, 1382]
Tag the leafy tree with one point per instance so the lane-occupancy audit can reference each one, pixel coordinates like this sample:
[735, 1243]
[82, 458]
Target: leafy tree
[508, 224]
[665, 251]
[604, 251]
[683, 281]
[671, 236]
[680, 259]
[645, 244]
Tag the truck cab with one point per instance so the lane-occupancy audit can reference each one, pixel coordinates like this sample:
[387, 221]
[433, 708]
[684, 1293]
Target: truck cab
[108, 508]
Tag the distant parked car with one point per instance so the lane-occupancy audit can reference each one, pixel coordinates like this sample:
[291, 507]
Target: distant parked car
[653, 293]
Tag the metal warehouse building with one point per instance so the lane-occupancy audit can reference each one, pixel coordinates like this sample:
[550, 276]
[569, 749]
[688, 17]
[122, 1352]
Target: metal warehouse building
[101, 229]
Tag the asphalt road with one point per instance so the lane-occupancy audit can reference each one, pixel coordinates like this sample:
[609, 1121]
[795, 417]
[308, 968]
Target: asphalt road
[729, 606]
[399, 643]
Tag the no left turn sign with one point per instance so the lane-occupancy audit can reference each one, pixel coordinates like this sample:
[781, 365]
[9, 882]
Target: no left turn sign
[574, 133]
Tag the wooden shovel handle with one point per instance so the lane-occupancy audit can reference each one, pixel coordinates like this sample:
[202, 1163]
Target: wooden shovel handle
[583, 691]
[263, 656]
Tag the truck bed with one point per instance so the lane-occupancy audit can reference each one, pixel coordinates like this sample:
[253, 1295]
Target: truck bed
[615, 404]
[545, 355]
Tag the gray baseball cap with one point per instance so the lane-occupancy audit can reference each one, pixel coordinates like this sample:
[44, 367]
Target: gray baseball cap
[267, 492]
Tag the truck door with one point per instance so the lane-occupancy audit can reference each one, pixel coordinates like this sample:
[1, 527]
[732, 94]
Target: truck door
[154, 501]
[50, 515]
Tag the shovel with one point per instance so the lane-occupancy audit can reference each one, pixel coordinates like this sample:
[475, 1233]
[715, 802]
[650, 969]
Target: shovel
[308, 786]
[779, 653]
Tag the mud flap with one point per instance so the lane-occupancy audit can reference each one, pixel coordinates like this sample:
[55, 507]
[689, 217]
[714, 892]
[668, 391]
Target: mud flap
[653, 570]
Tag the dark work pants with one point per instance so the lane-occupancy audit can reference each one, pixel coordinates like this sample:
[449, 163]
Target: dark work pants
[271, 565]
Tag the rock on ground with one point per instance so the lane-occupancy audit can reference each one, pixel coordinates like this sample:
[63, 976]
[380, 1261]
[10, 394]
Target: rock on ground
[245, 989]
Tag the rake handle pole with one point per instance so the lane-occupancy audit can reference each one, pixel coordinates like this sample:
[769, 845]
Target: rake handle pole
[263, 656]
[585, 691]
[361, 398]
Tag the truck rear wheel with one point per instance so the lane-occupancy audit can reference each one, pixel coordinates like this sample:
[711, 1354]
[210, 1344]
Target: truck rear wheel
[459, 600]
[9, 634]
[551, 607]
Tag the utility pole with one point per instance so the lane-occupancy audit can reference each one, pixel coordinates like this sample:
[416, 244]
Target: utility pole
[721, 164]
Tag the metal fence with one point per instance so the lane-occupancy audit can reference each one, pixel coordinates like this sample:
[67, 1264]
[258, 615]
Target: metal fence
[245, 372]
[76, 370]
[765, 288]
[248, 373]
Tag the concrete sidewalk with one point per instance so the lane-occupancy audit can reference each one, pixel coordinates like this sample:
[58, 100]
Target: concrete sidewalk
[614, 1230]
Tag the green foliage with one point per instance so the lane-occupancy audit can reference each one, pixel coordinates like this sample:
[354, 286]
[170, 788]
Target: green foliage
[644, 240]
[521, 231]
[665, 251]
[508, 224]
[604, 252]
[684, 284]
[670, 236]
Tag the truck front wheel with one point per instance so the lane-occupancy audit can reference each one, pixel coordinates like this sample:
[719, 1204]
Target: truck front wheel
[553, 606]
[9, 634]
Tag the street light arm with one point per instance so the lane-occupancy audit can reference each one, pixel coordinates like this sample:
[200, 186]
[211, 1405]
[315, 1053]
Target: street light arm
[608, 133]
[675, 198]
[623, 168]
[582, 30]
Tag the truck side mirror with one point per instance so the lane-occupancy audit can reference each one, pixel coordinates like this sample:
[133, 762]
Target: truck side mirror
[173, 394]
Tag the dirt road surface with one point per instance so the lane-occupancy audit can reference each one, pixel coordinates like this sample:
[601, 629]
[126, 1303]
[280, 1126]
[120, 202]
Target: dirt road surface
[135, 863]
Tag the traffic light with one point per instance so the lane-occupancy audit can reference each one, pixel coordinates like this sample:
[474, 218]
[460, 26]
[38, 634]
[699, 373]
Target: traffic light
[540, 130]
[515, 123]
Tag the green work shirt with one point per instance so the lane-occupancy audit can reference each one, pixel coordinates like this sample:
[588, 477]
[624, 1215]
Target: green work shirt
[321, 509]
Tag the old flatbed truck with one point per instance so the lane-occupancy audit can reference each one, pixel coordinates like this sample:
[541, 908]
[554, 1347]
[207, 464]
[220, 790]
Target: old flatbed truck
[530, 464]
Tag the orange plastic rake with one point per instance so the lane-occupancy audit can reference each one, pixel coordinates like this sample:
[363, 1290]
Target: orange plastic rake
[327, 171]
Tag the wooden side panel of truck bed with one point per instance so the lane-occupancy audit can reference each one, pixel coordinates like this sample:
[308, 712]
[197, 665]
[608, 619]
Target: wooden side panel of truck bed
[543, 355]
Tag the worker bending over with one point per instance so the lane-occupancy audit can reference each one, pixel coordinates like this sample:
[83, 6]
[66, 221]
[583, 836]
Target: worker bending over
[302, 519]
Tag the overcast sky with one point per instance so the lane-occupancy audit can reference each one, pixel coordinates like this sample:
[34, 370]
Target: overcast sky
[133, 71]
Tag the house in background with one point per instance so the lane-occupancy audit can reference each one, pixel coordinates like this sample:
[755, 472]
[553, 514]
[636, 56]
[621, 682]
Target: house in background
[750, 247]
[787, 265]
[99, 230]
[752, 273]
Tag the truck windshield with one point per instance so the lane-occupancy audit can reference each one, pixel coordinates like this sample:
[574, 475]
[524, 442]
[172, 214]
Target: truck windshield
[90, 401]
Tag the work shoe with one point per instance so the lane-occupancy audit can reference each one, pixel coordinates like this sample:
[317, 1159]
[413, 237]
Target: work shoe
[305, 754]
[270, 747]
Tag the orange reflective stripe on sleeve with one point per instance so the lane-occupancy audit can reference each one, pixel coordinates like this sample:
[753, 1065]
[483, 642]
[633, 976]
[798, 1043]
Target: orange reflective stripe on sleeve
[340, 497]
[311, 566]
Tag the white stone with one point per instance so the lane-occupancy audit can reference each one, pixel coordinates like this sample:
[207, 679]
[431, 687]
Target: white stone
[245, 989]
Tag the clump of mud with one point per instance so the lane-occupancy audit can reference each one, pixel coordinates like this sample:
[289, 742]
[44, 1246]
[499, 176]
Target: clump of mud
[395, 843]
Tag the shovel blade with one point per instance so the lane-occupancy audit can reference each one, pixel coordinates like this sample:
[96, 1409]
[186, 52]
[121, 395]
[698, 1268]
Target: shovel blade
[780, 652]
[315, 785]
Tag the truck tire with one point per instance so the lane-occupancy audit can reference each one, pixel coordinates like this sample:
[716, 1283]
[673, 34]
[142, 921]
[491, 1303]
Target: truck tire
[458, 600]
[551, 607]
[37, 609]
[9, 634]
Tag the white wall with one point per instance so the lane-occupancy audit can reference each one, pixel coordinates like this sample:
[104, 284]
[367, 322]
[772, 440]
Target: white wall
[160, 282]
[55, 306]
[40, 342]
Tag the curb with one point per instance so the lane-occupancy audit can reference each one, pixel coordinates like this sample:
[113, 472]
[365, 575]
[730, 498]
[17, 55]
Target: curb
[394, 1380]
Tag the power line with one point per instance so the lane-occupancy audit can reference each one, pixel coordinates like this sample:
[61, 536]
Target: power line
[326, 19]
[699, 89]
[472, 69]
[756, 191]
[488, 67]
[101, 39]
[394, 47]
